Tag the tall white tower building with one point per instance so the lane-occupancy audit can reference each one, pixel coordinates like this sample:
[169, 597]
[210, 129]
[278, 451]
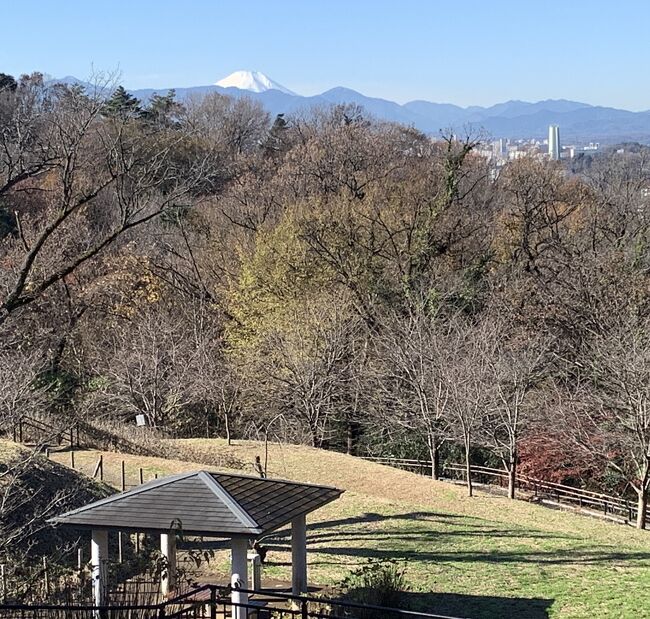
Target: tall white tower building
[554, 142]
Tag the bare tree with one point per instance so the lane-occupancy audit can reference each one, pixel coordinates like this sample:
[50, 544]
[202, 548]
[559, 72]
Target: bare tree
[162, 364]
[240, 124]
[413, 389]
[23, 388]
[300, 372]
[514, 371]
[470, 348]
[25, 138]
[609, 413]
[103, 177]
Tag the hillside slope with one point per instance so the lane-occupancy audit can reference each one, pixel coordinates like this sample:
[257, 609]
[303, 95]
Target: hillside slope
[32, 489]
[479, 557]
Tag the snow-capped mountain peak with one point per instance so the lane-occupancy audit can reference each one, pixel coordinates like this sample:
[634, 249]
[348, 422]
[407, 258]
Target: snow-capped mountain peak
[253, 81]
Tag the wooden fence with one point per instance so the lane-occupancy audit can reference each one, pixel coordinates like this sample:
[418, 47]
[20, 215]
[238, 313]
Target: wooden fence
[40, 433]
[116, 472]
[608, 505]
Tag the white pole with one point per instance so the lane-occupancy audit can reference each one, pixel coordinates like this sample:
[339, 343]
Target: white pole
[299, 555]
[238, 553]
[98, 558]
[168, 550]
[256, 570]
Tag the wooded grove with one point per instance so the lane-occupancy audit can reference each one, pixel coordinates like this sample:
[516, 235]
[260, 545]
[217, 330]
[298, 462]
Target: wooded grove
[322, 278]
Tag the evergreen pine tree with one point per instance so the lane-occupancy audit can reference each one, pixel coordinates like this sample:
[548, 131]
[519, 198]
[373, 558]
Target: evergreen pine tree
[275, 141]
[8, 82]
[163, 110]
[122, 104]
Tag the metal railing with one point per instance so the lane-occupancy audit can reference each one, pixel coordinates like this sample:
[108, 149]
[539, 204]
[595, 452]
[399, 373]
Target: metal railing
[214, 602]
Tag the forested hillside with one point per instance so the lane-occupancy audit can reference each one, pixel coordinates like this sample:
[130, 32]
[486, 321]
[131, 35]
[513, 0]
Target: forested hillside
[326, 279]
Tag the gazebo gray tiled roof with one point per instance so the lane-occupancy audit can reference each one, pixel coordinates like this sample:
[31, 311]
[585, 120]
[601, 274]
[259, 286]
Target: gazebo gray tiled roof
[208, 504]
[203, 503]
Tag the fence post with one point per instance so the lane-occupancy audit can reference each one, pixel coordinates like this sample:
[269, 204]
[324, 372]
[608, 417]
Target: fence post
[141, 476]
[46, 579]
[303, 610]
[72, 457]
[98, 467]
[213, 601]
[123, 475]
[80, 569]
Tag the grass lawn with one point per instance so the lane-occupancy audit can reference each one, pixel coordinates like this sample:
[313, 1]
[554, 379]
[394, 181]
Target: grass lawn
[480, 557]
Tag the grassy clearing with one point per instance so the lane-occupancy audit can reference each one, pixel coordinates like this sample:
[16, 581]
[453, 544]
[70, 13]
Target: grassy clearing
[479, 557]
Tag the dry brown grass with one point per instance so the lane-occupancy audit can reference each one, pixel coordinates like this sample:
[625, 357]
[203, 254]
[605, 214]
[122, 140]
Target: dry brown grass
[479, 557]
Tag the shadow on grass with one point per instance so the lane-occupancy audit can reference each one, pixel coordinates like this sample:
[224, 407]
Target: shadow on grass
[349, 537]
[479, 606]
[423, 537]
[471, 526]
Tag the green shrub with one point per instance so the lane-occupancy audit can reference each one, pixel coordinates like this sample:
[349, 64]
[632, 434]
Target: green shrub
[378, 583]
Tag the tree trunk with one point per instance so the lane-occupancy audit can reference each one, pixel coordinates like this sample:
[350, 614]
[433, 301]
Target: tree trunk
[350, 439]
[468, 468]
[512, 478]
[512, 474]
[642, 510]
[433, 454]
[352, 435]
[227, 426]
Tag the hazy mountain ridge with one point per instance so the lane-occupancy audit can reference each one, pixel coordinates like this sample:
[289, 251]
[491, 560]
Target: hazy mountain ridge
[511, 119]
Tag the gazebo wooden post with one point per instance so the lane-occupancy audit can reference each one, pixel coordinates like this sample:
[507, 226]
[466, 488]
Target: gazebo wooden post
[168, 550]
[299, 555]
[98, 559]
[239, 580]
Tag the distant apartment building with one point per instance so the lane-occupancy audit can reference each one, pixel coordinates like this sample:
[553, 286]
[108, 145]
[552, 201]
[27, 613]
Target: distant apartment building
[554, 142]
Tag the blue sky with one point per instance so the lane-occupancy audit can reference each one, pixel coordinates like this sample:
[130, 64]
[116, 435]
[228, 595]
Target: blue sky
[464, 52]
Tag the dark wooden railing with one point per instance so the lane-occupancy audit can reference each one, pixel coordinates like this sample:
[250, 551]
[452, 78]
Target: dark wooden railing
[28, 430]
[545, 490]
[422, 467]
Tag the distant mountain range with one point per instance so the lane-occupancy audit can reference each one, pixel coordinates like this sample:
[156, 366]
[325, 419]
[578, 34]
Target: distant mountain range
[579, 122]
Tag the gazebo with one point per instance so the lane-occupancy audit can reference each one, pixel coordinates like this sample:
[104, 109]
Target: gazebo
[202, 503]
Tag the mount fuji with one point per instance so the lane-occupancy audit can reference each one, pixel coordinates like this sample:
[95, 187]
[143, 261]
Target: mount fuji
[254, 81]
